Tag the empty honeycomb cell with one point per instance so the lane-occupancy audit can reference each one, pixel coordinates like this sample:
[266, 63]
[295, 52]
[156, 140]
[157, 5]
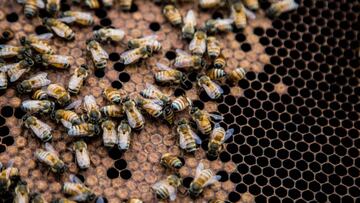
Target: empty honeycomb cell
[154, 26]
[198, 104]
[115, 153]
[116, 84]
[105, 22]
[12, 17]
[120, 164]
[2, 148]
[240, 37]
[99, 73]
[124, 77]
[114, 56]
[100, 13]
[4, 131]
[224, 176]
[112, 173]
[187, 181]
[2, 120]
[125, 174]
[8, 140]
[170, 55]
[224, 156]
[7, 111]
[234, 197]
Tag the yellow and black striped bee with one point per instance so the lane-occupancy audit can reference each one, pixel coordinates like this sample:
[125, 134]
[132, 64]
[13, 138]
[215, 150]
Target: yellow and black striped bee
[109, 133]
[203, 120]
[217, 139]
[78, 17]
[236, 75]
[168, 75]
[59, 28]
[35, 82]
[92, 109]
[149, 41]
[9, 51]
[247, 197]
[181, 103]
[39, 95]
[125, 5]
[83, 130]
[31, 7]
[37, 198]
[98, 55]
[38, 43]
[50, 157]
[135, 118]
[167, 189]
[109, 35]
[39, 128]
[108, 3]
[21, 192]
[66, 117]
[279, 7]
[113, 110]
[251, 4]
[202, 179]
[52, 6]
[81, 154]
[16, 70]
[219, 25]
[134, 55]
[188, 28]
[187, 137]
[92, 4]
[123, 135]
[76, 80]
[56, 61]
[151, 106]
[37, 106]
[240, 14]
[210, 4]
[77, 190]
[168, 114]
[172, 14]
[59, 93]
[113, 95]
[170, 161]
[213, 47]
[152, 92]
[216, 201]
[215, 73]
[9, 176]
[220, 62]
[212, 89]
[187, 61]
[197, 45]
[3, 81]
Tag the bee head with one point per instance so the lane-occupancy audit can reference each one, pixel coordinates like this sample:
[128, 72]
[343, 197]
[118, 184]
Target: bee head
[182, 121]
[23, 41]
[91, 197]
[20, 88]
[25, 117]
[45, 20]
[94, 116]
[97, 130]
[60, 168]
[53, 115]
[38, 58]
[195, 189]
[53, 9]
[29, 61]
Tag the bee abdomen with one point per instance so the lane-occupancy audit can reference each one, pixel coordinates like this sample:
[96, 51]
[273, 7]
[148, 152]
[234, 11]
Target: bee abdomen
[162, 192]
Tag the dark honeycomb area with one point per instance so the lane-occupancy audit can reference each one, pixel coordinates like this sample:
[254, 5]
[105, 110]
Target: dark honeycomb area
[5, 135]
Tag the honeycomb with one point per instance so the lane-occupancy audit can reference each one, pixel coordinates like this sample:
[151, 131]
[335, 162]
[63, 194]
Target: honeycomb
[295, 115]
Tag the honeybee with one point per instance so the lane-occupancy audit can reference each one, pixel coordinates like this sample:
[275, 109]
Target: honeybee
[81, 18]
[63, 200]
[113, 110]
[247, 198]
[77, 79]
[50, 157]
[188, 28]
[81, 154]
[168, 75]
[213, 47]
[149, 41]
[109, 34]
[187, 137]
[92, 109]
[8, 51]
[212, 89]
[220, 62]
[109, 133]
[134, 55]
[219, 25]
[21, 193]
[57, 61]
[217, 139]
[35, 82]
[37, 106]
[236, 75]
[135, 118]
[92, 4]
[203, 178]
[197, 45]
[170, 161]
[208, 4]
[151, 106]
[216, 201]
[38, 43]
[3, 80]
[181, 103]
[123, 135]
[108, 3]
[59, 93]
[98, 55]
[39, 128]
[172, 14]
[113, 95]
[37, 198]
[31, 7]
[151, 92]
[168, 114]
[133, 200]
[59, 28]
[125, 4]
[185, 60]
[239, 14]
[215, 73]
[66, 117]
[52, 6]
[9, 176]
[83, 130]
[280, 7]
[77, 190]
[16, 70]
[40, 95]
[203, 120]
[251, 4]
[166, 189]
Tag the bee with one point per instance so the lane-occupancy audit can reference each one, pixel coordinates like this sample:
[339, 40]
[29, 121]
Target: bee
[251, 4]
[92, 109]
[172, 14]
[203, 178]
[57, 61]
[37, 81]
[40, 95]
[31, 7]
[113, 95]
[216, 201]
[181, 103]
[134, 200]
[134, 55]
[63, 200]
[66, 117]
[83, 130]
[3, 80]
[77, 79]
[39, 128]
[151, 106]
[16, 70]
[280, 7]
[59, 93]
[92, 4]
[9, 176]
[168, 114]
[197, 45]
[125, 5]
[98, 55]
[123, 135]
[170, 161]
[219, 25]
[52, 6]
[188, 28]
[135, 118]
[203, 119]
[109, 34]
[185, 60]
[150, 41]
[59, 28]
[9, 51]
[21, 193]
[217, 139]
[236, 75]
[213, 47]
[108, 3]
[187, 137]
[109, 133]
[37, 106]
[247, 198]
[166, 189]
[50, 157]
[81, 154]
[38, 43]
[209, 4]
[168, 75]
[37, 198]
[212, 89]
[77, 190]
[151, 92]
[81, 18]
[215, 73]
[220, 62]
[113, 110]
[239, 14]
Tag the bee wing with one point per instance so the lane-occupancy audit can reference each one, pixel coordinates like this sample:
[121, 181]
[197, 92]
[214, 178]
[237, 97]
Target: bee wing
[74, 179]
[21, 1]
[79, 198]
[44, 36]
[100, 200]
[16, 76]
[42, 79]
[50, 148]
[172, 192]
[196, 137]
[66, 123]
[210, 92]
[228, 134]
[150, 37]
[251, 15]
[212, 180]
[182, 142]
[124, 56]
[163, 67]
[8, 167]
[67, 19]
[182, 52]
[226, 21]
[190, 18]
[58, 31]
[215, 116]
[74, 105]
[199, 168]
[89, 101]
